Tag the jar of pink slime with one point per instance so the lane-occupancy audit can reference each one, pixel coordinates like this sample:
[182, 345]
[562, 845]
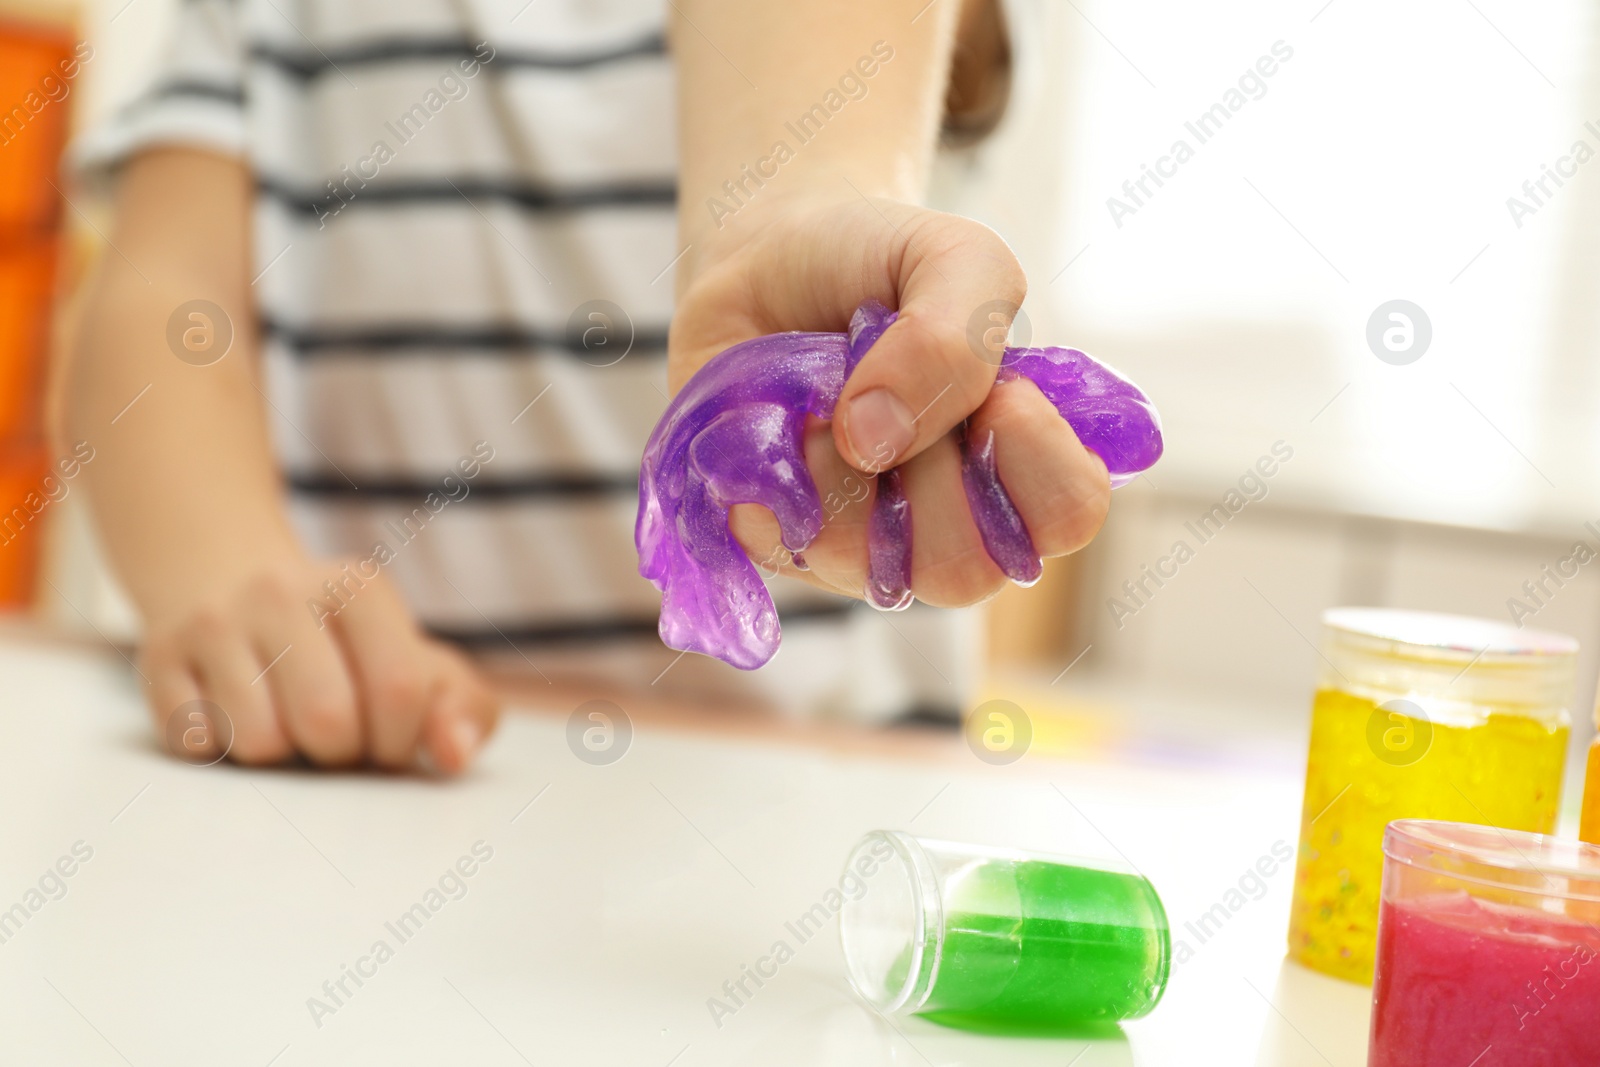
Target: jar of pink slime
[1488, 949]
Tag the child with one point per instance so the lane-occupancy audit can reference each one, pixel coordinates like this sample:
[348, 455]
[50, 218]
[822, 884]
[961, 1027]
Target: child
[383, 327]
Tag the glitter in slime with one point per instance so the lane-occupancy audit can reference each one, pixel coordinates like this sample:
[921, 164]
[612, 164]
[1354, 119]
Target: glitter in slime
[734, 435]
[1418, 715]
[1505, 770]
[1464, 981]
[1486, 960]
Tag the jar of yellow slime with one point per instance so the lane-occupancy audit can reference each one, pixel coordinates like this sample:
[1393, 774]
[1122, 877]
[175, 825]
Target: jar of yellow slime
[1589, 825]
[1418, 716]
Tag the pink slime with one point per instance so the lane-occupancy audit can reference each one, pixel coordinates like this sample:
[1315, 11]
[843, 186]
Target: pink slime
[1466, 982]
[733, 436]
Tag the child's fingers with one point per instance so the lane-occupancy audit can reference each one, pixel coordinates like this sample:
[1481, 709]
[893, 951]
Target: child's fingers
[462, 712]
[836, 559]
[839, 553]
[311, 685]
[949, 566]
[1060, 488]
[391, 667]
[172, 686]
[925, 374]
[226, 667]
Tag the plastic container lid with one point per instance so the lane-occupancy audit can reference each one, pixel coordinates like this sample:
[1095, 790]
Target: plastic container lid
[1537, 864]
[1441, 634]
[1455, 667]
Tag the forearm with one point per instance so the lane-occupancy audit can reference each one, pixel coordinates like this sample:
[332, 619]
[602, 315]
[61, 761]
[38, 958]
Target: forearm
[833, 99]
[183, 485]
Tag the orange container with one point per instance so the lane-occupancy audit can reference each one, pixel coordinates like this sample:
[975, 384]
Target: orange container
[24, 504]
[38, 70]
[27, 287]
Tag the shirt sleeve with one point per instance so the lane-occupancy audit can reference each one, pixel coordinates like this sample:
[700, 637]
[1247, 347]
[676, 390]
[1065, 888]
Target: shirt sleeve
[195, 96]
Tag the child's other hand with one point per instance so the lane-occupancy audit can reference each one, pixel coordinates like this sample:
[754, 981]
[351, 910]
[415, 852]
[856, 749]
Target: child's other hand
[359, 685]
[806, 265]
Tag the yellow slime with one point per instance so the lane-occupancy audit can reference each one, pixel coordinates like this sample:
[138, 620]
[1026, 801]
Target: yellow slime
[1589, 828]
[1368, 766]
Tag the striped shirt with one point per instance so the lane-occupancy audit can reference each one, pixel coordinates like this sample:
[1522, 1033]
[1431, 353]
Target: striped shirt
[464, 228]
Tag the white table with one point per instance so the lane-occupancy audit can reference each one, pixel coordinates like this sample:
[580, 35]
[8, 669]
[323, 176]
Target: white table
[218, 900]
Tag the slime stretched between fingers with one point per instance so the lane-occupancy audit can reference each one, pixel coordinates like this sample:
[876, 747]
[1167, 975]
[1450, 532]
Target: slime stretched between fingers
[734, 435]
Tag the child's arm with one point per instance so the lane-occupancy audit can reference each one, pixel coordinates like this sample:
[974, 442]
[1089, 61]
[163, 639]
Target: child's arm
[806, 133]
[189, 503]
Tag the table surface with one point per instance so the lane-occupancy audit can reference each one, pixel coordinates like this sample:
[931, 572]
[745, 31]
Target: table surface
[607, 905]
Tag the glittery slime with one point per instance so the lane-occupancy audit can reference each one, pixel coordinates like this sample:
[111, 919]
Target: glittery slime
[1464, 982]
[1505, 771]
[734, 436]
[1589, 821]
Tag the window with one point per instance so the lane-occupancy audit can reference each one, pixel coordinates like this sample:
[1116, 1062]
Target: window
[1373, 163]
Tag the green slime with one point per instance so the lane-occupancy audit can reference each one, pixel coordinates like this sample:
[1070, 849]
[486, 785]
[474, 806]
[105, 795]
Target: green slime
[1037, 947]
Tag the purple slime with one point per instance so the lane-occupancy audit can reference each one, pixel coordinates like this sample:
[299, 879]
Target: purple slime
[734, 436]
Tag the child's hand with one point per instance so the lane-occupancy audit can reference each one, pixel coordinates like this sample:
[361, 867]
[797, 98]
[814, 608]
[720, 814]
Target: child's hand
[363, 686]
[807, 268]
[200, 535]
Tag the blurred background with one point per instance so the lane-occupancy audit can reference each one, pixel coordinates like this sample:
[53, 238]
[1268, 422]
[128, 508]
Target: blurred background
[1374, 164]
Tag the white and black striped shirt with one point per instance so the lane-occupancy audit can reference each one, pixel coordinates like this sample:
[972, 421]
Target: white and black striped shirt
[444, 191]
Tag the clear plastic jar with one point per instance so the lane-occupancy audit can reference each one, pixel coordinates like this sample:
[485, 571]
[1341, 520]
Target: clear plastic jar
[1418, 715]
[1488, 949]
[999, 940]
